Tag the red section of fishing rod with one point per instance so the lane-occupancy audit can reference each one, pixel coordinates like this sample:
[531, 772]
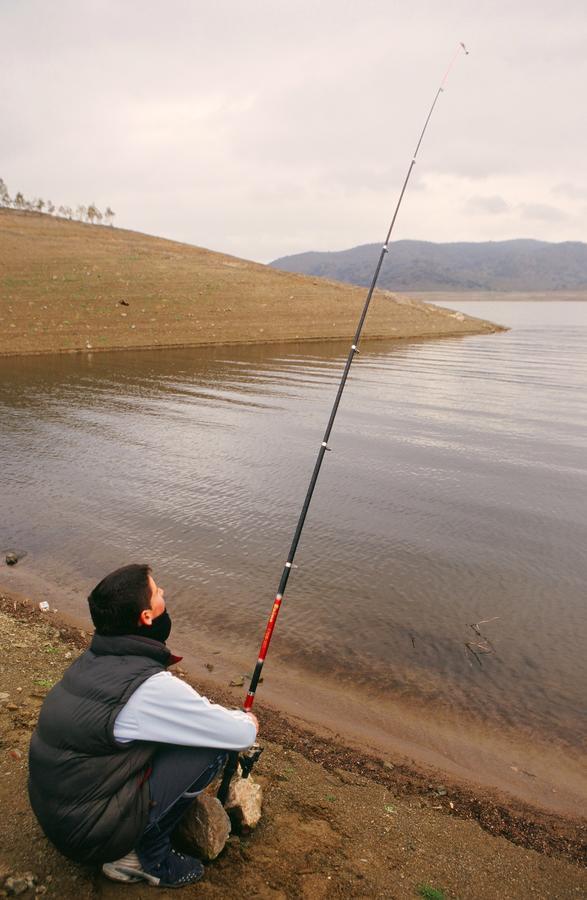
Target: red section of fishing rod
[250, 698]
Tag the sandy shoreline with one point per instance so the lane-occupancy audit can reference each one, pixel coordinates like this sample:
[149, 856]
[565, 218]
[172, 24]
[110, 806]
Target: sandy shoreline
[520, 765]
[513, 765]
[500, 296]
[331, 738]
[372, 338]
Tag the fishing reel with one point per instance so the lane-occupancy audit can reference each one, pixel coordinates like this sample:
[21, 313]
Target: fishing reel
[248, 758]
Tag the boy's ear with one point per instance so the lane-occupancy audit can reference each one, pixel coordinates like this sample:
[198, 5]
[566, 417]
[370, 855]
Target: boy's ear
[146, 617]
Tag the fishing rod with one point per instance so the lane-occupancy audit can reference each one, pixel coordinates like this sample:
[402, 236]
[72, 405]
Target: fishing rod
[247, 760]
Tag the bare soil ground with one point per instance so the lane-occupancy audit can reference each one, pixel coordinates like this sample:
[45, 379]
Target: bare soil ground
[337, 823]
[66, 286]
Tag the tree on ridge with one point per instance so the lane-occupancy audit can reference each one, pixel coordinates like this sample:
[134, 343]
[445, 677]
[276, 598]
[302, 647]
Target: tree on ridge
[89, 213]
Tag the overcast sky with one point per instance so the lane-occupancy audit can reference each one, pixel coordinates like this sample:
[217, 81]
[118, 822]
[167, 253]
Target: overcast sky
[264, 128]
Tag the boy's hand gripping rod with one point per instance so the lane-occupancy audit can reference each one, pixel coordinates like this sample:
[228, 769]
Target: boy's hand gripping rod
[233, 760]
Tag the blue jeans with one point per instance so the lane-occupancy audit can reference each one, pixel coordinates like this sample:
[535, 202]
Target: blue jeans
[178, 775]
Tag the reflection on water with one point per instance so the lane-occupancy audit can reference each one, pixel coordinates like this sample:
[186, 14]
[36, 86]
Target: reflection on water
[456, 493]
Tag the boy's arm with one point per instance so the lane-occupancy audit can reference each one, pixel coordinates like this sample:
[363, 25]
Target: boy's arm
[169, 711]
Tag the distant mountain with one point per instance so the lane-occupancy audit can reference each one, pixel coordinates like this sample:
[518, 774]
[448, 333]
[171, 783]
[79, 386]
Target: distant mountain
[519, 265]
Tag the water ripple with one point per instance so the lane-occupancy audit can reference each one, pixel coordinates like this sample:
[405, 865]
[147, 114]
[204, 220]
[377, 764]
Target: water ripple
[457, 492]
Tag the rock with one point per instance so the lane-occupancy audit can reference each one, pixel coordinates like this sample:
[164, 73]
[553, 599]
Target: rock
[351, 777]
[18, 884]
[15, 753]
[4, 697]
[205, 827]
[13, 556]
[44, 606]
[243, 804]
[209, 666]
[237, 682]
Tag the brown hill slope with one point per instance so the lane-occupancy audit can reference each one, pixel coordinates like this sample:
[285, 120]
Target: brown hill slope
[67, 286]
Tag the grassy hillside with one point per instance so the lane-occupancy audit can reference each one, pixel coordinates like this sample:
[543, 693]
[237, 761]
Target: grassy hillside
[520, 265]
[67, 286]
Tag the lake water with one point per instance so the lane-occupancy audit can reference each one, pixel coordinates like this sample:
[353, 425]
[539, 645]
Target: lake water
[456, 493]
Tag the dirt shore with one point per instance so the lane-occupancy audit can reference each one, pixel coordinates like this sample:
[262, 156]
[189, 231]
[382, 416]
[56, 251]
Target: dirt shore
[337, 822]
[70, 287]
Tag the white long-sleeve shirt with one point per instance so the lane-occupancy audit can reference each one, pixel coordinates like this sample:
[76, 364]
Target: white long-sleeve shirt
[166, 709]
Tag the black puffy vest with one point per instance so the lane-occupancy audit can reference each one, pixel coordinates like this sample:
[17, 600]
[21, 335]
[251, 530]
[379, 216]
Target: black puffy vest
[88, 791]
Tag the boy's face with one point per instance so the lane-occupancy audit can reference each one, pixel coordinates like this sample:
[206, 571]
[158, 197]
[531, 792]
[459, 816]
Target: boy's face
[157, 598]
[157, 604]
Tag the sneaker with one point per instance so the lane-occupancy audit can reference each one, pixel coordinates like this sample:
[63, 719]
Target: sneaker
[175, 871]
[125, 869]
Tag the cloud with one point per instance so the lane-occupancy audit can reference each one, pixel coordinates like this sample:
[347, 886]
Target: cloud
[571, 191]
[265, 128]
[494, 205]
[543, 212]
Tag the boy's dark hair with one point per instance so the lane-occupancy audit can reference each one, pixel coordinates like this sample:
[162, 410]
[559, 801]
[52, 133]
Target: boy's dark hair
[117, 602]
